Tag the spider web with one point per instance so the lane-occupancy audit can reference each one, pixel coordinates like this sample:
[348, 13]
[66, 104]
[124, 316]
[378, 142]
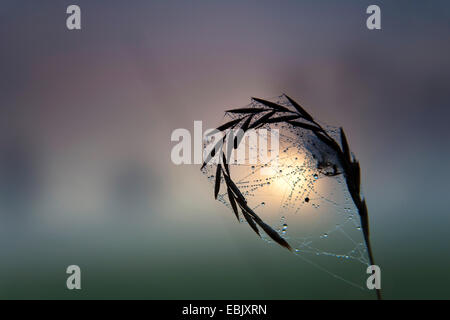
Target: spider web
[301, 193]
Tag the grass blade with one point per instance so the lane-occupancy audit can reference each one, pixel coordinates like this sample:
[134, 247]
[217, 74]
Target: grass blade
[273, 234]
[262, 120]
[225, 164]
[246, 124]
[238, 138]
[267, 229]
[345, 147]
[299, 108]
[217, 184]
[232, 185]
[247, 110]
[331, 143]
[356, 174]
[364, 219]
[282, 119]
[233, 203]
[250, 221]
[211, 155]
[225, 126]
[272, 105]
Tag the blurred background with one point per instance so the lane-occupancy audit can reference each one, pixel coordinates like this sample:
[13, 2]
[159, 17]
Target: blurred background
[85, 124]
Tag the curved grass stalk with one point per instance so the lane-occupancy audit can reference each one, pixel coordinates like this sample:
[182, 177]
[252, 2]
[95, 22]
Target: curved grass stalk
[301, 119]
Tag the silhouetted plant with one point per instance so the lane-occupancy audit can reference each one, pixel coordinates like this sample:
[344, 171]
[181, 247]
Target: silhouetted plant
[297, 117]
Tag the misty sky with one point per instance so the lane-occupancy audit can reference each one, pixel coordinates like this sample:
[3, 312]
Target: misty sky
[93, 104]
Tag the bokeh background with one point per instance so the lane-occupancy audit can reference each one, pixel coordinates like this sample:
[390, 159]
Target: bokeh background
[85, 124]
